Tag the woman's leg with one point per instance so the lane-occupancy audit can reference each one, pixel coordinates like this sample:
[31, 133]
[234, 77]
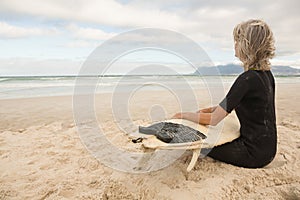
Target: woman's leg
[235, 153]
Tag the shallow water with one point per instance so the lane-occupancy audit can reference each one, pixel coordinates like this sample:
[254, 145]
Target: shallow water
[24, 87]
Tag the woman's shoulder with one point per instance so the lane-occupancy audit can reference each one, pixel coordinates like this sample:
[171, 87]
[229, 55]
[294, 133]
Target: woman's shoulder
[253, 78]
[247, 75]
[254, 74]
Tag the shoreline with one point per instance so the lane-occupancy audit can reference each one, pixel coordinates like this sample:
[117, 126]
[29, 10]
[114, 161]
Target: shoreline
[64, 86]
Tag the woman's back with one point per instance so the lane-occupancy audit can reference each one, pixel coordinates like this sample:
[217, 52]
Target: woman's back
[252, 96]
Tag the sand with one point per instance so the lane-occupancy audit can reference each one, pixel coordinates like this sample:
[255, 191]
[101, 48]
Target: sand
[42, 156]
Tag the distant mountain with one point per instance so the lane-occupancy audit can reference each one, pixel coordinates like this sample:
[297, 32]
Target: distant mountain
[285, 71]
[233, 69]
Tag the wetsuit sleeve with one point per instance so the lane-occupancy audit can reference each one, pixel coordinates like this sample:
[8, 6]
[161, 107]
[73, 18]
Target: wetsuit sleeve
[236, 93]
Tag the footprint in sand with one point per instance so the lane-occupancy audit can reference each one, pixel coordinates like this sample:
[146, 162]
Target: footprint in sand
[88, 163]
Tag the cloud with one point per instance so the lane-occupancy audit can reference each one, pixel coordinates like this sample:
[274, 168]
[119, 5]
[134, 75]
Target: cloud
[32, 66]
[10, 31]
[213, 21]
[79, 44]
[203, 21]
[109, 13]
[88, 33]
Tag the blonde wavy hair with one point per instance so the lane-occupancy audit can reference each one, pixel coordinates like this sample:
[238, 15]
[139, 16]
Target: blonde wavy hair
[254, 44]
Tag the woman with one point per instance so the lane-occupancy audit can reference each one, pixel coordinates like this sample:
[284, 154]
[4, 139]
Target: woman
[252, 98]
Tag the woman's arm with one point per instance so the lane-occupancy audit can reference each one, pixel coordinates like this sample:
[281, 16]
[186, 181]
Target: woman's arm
[212, 118]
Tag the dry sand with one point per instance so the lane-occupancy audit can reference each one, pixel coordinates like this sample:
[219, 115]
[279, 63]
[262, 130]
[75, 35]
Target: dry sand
[42, 156]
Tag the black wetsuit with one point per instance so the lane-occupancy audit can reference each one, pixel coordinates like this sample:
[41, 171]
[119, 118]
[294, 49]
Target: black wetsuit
[252, 97]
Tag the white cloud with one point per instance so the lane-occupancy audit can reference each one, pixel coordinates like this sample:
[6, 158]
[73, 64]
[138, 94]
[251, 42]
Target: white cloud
[33, 66]
[10, 31]
[104, 12]
[79, 44]
[88, 33]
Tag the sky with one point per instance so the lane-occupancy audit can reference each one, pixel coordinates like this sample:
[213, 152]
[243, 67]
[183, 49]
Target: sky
[55, 37]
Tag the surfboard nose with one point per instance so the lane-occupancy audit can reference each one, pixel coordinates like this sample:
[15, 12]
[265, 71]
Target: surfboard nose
[147, 130]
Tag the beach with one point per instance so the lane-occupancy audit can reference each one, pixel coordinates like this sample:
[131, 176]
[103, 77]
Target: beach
[43, 157]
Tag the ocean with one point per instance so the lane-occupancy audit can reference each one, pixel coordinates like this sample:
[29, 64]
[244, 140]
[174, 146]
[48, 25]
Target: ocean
[43, 86]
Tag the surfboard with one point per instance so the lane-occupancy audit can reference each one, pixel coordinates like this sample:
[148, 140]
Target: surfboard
[225, 131]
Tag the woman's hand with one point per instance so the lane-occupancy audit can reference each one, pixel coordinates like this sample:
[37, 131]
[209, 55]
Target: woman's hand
[207, 110]
[179, 115]
[194, 117]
